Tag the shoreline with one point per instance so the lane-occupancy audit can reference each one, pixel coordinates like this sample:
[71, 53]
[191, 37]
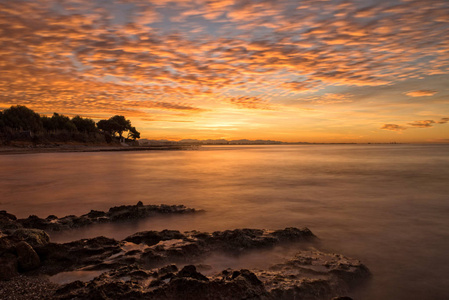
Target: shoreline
[166, 264]
[82, 148]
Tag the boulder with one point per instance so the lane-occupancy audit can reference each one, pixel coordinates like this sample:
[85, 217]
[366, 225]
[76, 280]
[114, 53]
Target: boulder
[190, 271]
[34, 237]
[27, 258]
[8, 266]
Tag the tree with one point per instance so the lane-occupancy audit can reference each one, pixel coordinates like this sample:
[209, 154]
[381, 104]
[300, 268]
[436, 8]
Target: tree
[2, 123]
[120, 124]
[133, 134]
[58, 122]
[84, 124]
[20, 117]
[106, 126]
[115, 125]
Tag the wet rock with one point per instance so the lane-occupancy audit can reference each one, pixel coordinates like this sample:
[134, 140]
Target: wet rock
[147, 237]
[27, 258]
[292, 234]
[118, 213]
[34, 237]
[313, 273]
[82, 253]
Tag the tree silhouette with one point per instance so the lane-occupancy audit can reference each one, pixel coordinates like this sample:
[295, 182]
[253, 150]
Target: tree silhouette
[133, 134]
[20, 117]
[84, 124]
[116, 125]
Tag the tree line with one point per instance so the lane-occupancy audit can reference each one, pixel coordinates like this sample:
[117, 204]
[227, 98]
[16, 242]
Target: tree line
[21, 123]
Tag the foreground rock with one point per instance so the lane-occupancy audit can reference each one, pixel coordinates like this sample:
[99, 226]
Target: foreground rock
[118, 213]
[308, 276]
[144, 266]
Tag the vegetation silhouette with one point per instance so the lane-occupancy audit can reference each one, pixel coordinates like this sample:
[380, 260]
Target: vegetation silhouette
[21, 124]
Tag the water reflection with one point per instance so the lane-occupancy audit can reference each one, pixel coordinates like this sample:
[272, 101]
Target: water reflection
[384, 204]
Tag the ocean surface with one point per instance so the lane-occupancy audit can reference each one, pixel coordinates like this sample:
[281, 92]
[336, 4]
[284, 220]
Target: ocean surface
[387, 205]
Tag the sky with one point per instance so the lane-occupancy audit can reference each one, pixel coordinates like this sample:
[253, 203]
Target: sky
[294, 71]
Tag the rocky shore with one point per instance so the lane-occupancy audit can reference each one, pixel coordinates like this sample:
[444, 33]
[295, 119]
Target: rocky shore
[115, 214]
[164, 264]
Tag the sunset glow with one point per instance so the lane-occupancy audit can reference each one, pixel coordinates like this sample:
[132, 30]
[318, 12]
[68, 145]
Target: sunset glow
[294, 71]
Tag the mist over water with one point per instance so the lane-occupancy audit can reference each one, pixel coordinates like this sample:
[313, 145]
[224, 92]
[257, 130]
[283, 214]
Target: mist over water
[386, 205]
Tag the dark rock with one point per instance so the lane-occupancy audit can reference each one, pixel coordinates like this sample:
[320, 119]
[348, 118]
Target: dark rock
[5, 215]
[96, 214]
[34, 222]
[34, 237]
[70, 286]
[27, 258]
[148, 237]
[7, 244]
[8, 266]
[342, 298]
[292, 234]
[8, 221]
[118, 213]
[51, 218]
[190, 271]
[167, 269]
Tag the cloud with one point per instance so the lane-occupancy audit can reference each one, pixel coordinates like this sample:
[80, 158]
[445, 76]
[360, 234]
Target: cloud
[328, 98]
[422, 124]
[421, 93]
[249, 102]
[415, 124]
[97, 55]
[301, 86]
[393, 127]
[443, 121]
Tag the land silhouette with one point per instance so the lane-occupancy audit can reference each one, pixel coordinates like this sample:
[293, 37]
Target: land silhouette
[21, 124]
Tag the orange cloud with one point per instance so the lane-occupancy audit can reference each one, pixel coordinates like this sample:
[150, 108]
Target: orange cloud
[422, 124]
[393, 127]
[249, 102]
[421, 93]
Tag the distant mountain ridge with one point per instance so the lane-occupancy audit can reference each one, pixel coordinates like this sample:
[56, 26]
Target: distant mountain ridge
[144, 142]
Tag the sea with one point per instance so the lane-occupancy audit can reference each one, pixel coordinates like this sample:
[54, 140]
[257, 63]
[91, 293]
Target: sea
[384, 204]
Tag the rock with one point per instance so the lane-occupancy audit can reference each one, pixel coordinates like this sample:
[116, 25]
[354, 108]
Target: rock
[292, 234]
[7, 244]
[34, 222]
[8, 221]
[96, 214]
[8, 266]
[147, 237]
[5, 215]
[115, 214]
[190, 271]
[34, 237]
[27, 258]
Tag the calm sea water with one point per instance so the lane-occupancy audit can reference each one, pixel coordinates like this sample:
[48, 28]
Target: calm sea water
[387, 205]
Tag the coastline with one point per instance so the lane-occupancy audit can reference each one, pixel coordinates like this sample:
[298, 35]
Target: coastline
[166, 264]
[9, 150]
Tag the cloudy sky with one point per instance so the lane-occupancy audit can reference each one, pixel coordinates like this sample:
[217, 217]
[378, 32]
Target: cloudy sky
[312, 70]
